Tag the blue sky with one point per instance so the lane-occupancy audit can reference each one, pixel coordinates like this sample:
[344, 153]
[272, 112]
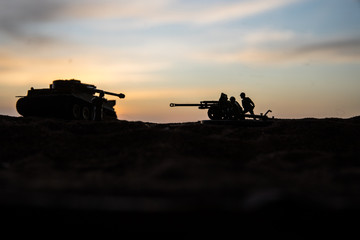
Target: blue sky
[299, 58]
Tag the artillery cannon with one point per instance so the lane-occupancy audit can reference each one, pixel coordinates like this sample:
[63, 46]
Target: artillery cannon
[69, 99]
[222, 110]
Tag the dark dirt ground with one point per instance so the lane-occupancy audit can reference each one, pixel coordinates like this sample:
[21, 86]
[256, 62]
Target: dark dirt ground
[293, 175]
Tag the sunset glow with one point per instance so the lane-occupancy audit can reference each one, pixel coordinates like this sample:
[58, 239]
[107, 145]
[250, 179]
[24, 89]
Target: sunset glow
[299, 58]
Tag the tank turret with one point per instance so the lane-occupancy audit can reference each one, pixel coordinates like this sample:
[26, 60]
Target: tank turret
[68, 99]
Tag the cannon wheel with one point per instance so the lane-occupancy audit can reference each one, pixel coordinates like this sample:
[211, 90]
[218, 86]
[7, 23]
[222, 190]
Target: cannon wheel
[214, 113]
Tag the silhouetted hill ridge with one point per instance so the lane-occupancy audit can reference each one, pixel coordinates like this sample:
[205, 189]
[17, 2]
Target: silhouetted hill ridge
[292, 167]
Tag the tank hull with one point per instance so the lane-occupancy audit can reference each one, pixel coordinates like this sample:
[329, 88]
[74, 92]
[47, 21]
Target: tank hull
[65, 106]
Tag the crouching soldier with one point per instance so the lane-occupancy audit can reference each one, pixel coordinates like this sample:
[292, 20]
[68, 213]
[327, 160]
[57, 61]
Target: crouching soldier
[236, 110]
[247, 104]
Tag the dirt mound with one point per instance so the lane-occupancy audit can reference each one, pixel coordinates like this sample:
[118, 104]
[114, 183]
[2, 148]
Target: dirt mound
[76, 171]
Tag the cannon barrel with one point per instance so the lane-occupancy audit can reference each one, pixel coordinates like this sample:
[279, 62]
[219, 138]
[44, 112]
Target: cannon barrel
[201, 105]
[120, 95]
[185, 104]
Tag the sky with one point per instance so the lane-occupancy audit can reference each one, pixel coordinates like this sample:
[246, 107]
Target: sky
[299, 58]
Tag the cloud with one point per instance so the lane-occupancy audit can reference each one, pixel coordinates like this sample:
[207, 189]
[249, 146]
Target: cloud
[116, 9]
[171, 11]
[345, 47]
[16, 14]
[23, 19]
[333, 51]
[240, 10]
[266, 36]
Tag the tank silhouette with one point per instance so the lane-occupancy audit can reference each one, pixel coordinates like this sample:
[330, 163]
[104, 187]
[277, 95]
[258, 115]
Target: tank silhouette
[68, 99]
[221, 110]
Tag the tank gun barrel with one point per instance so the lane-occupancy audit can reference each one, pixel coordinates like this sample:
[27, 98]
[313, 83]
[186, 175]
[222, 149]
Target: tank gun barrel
[120, 95]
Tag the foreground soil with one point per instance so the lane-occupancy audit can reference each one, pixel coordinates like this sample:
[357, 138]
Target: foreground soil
[189, 176]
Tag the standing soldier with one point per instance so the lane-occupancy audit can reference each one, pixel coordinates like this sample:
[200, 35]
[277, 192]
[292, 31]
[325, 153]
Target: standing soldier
[98, 106]
[247, 104]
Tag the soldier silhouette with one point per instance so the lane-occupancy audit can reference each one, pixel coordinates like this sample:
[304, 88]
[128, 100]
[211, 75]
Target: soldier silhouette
[98, 103]
[223, 98]
[247, 104]
[224, 105]
[236, 109]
